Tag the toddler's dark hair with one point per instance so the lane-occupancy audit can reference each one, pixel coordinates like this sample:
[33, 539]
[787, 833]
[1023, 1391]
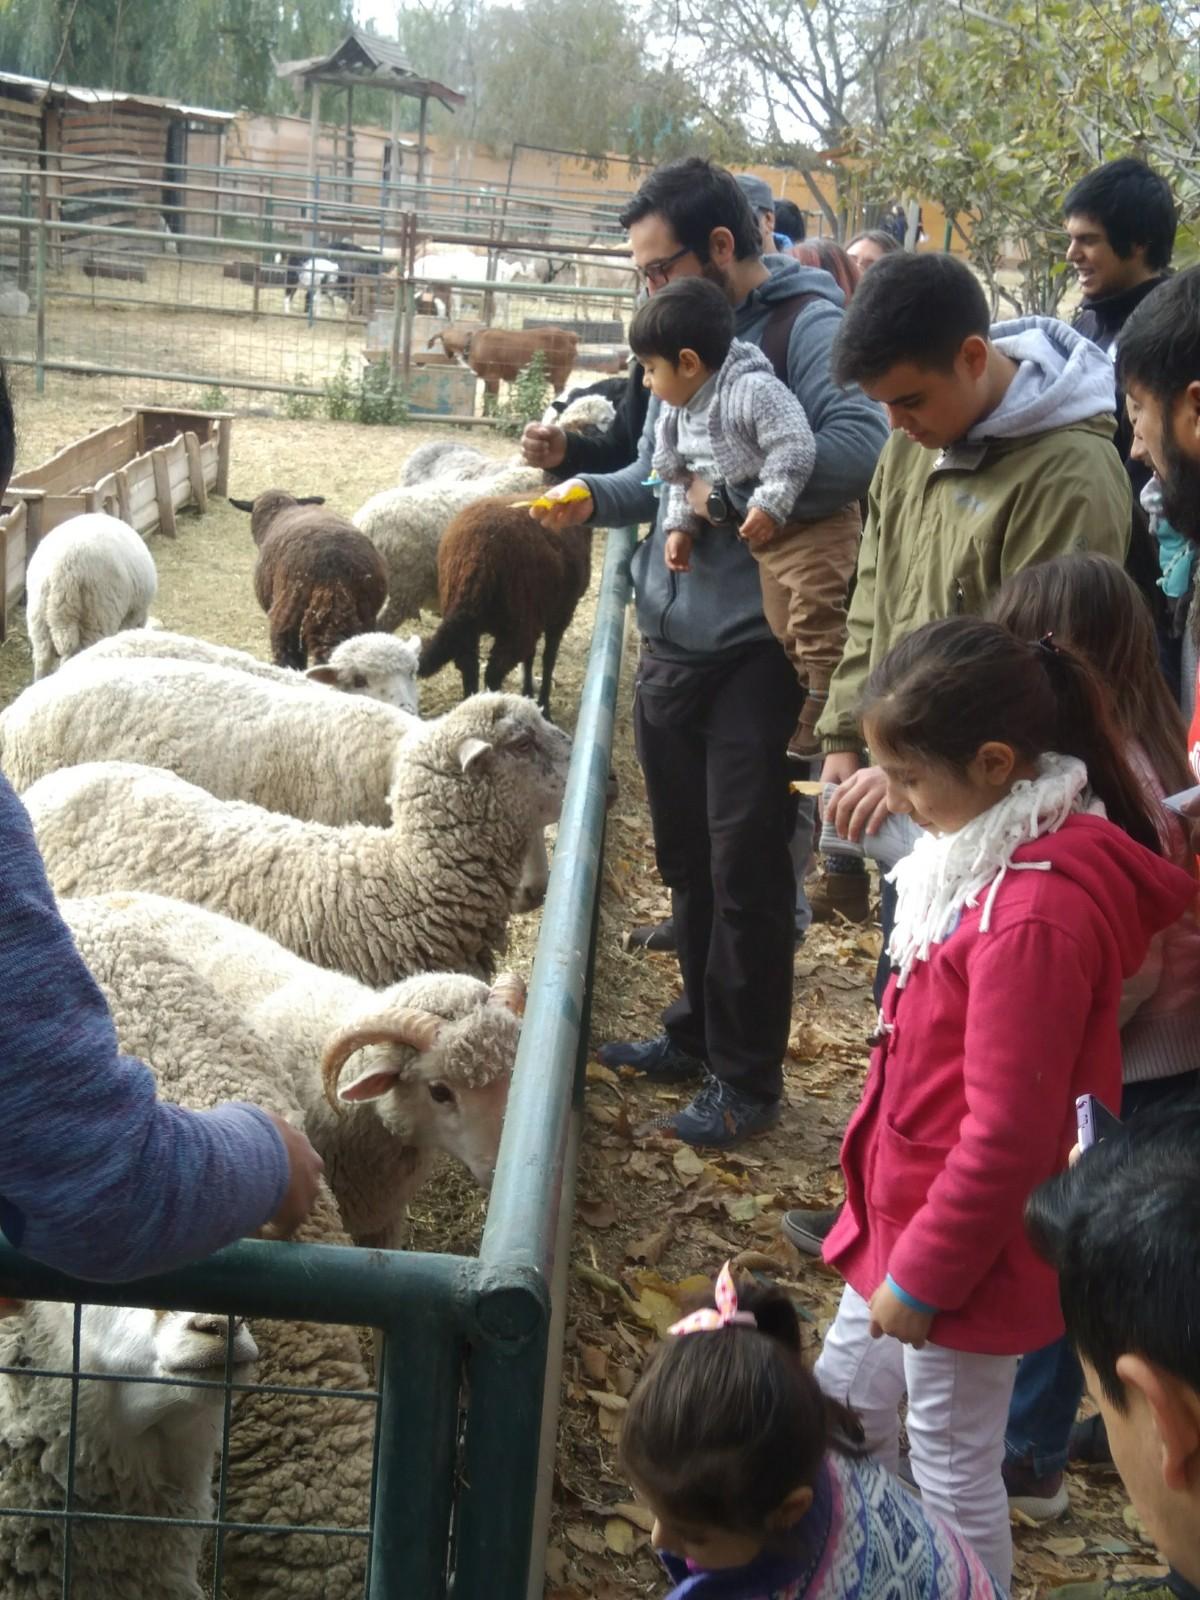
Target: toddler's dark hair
[687, 314]
[725, 1425]
[956, 684]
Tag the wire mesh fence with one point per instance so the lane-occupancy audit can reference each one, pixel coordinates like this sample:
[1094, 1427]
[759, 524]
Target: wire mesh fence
[214, 285]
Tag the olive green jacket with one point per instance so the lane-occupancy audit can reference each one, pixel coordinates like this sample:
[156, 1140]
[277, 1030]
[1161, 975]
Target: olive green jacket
[944, 531]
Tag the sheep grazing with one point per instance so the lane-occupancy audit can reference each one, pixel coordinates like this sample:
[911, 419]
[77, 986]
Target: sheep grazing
[469, 793]
[502, 573]
[406, 525]
[88, 578]
[377, 666]
[496, 353]
[142, 1449]
[317, 577]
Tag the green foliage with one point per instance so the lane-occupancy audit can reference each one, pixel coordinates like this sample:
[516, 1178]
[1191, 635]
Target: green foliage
[299, 407]
[373, 397]
[528, 396]
[213, 398]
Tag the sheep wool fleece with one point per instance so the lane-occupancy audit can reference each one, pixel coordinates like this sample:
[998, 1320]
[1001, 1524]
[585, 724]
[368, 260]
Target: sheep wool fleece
[97, 1176]
[756, 429]
[865, 1538]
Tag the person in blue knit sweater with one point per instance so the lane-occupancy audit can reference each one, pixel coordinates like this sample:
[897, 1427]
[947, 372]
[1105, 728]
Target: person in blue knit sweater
[98, 1177]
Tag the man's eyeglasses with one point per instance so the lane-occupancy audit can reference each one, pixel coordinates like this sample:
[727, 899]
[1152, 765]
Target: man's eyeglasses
[656, 273]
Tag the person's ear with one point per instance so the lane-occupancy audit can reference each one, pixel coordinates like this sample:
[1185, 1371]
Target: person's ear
[993, 762]
[785, 1516]
[720, 247]
[974, 356]
[1186, 419]
[688, 365]
[1175, 1409]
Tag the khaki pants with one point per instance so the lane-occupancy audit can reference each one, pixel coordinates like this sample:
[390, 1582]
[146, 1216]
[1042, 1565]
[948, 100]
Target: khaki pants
[805, 573]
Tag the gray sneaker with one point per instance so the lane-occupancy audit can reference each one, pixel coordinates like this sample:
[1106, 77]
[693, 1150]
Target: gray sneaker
[808, 1230]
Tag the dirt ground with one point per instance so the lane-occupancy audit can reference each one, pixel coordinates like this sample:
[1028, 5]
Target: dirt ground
[650, 1217]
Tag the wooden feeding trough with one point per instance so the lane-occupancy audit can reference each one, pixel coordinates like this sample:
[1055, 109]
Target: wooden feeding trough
[142, 469]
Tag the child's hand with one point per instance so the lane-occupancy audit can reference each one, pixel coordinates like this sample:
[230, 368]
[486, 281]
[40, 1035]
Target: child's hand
[891, 1317]
[758, 529]
[679, 551]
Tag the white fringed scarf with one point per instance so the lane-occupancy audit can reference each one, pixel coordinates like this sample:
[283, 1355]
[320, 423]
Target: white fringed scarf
[945, 873]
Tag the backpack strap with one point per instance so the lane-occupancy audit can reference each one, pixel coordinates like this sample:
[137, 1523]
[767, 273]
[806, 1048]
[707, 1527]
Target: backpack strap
[778, 331]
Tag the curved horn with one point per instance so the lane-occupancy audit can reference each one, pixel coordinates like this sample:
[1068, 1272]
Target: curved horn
[409, 1025]
[509, 991]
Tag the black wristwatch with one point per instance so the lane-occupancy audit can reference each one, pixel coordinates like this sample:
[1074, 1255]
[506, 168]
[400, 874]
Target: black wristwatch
[716, 505]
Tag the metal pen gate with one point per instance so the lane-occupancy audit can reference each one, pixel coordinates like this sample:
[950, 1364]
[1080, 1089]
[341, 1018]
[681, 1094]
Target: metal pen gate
[468, 1374]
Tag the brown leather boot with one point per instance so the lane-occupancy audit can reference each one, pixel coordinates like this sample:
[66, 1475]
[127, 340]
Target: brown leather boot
[835, 896]
[804, 744]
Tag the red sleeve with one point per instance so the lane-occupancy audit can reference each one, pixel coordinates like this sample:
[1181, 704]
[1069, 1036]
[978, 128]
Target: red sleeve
[1031, 992]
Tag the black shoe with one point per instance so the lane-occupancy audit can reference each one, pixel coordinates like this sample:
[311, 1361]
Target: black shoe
[720, 1116]
[808, 1230]
[1089, 1443]
[651, 936]
[659, 1060]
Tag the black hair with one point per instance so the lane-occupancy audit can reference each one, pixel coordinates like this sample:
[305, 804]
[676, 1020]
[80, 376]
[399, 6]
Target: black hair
[687, 314]
[1133, 204]
[8, 429]
[789, 219]
[695, 196]
[886, 241]
[1159, 347]
[1122, 1230]
[725, 1425]
[956, 684]
[918, 308]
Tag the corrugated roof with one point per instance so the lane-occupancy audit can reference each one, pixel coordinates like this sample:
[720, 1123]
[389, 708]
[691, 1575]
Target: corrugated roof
[72, 95]
[363, 58]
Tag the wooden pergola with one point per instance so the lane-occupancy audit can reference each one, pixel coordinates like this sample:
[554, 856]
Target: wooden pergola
[364, 61]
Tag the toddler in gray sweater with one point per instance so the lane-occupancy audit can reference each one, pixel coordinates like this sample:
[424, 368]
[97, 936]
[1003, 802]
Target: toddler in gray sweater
[725, 418]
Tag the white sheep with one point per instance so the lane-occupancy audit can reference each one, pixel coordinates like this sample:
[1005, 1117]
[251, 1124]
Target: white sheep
[434, 890]
[445, 458]
[88, 578]
[221, 1012]
[406, 524]
[377, 666]
[142, 1449]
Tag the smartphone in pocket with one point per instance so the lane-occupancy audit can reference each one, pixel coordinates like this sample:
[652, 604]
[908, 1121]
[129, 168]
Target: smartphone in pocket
[1093, 1121]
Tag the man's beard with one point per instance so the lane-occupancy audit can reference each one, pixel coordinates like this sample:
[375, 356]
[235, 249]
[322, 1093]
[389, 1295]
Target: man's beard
[1181, 488]
[718, 275]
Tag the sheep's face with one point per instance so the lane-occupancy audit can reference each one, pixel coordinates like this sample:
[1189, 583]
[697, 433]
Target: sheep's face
[134, 1342]
[520, 755]
[376, 666]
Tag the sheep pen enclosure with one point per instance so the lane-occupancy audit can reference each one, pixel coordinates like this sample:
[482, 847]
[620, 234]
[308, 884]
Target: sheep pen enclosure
[650, 1217]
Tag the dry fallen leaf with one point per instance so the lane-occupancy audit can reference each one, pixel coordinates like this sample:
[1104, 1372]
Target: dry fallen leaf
[619, 1536]
[688, 1165]
[650, 1249]
[556, 1564]
[596, 1213]
[606, 1401]
[595, 1362]
[1065, 1547]
[587, 1539]
[641, 1516]
[623, 1380]
[596, 1073]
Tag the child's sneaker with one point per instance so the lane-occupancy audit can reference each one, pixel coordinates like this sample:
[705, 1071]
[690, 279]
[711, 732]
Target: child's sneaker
[1043, 1499]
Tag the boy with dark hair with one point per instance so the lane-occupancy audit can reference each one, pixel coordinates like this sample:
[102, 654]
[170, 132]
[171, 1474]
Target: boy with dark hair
[716, 699]
[1122, 1229]
[1121, 225]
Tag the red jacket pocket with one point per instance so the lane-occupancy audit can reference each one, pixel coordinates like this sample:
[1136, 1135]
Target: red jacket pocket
[902, 1173]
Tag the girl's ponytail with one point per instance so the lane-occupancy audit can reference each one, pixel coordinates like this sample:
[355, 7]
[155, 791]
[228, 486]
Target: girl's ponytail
[1086, 730]
[956, 684]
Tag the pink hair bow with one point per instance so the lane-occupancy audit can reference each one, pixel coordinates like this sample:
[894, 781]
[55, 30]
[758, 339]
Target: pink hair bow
[723, 1315]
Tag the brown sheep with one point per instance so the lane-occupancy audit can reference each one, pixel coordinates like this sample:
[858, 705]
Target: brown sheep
[318, 578]
[502, 573]
[495, 353]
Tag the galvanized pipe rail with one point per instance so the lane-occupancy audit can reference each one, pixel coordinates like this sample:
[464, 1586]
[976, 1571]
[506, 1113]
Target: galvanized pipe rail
[455, 1328]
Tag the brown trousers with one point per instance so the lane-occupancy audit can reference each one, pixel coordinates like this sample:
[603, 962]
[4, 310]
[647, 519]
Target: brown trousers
[805, 573]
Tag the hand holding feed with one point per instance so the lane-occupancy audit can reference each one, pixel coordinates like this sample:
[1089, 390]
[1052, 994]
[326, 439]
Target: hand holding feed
[860, 804]
[543, 445]
[758, 528]
[565, 506]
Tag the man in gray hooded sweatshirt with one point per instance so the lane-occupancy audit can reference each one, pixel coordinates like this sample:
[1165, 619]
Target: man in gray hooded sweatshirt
[717, 699]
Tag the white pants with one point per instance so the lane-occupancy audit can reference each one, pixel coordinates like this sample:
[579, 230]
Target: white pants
[957, 1409]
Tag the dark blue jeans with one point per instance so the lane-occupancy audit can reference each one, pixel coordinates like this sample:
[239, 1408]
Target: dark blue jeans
[1049, 1382]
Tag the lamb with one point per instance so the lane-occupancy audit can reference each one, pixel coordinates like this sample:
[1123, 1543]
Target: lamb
[406, 525]
[502, 573]
[221, 1012]
[374, 665]
[88, 578]
[496, 353]
[317, 577]
[122, 1430]
[317, 275]
[434, 890]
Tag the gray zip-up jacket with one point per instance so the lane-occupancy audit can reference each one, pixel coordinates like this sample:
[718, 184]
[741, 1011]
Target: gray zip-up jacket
[717, 606]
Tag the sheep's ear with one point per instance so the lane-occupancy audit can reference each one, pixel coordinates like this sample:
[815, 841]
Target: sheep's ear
[322, 675]
[241, 505]
[311, 500]
[474, 755]
[371, 1084]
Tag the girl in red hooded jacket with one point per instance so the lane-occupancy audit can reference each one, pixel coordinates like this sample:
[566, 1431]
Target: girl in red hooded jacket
[1035, 893]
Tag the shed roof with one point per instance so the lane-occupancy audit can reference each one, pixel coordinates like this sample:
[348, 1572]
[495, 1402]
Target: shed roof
[70, 94]
[363, 59]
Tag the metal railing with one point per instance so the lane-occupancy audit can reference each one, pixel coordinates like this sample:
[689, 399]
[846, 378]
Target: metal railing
[467, 1374]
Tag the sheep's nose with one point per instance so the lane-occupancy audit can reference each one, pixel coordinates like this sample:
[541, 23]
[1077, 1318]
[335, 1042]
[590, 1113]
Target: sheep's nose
[210, 1323]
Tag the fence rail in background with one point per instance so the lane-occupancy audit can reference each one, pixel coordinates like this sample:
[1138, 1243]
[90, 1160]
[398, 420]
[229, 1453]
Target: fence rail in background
[481, 1334]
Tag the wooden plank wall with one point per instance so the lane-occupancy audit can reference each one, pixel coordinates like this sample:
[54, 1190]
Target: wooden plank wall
[122, 135]
[21, 134]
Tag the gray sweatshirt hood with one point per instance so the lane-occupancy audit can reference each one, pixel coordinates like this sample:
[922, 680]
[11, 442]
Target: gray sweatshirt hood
[1062, 378]
[788, 277]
